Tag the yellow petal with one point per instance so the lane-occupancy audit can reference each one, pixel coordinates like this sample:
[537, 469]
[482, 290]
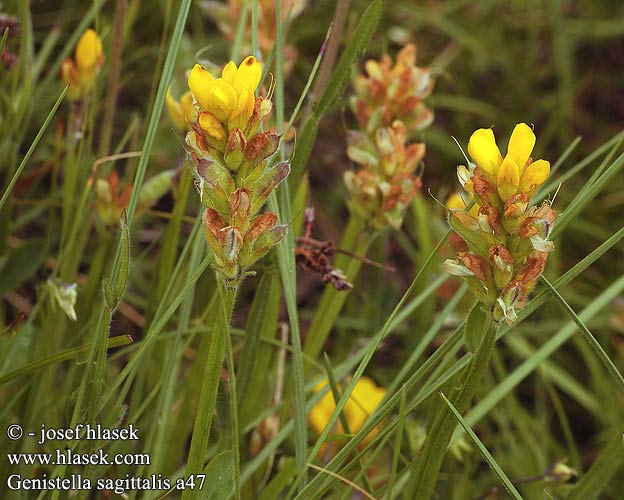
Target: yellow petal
[200, 82]
[221, 99]
[188, 110]
[244, 108]
[321, 411]
[521, 144]
[364, 399]
[249, 73]
[484, 151]
[508, 178]
[88, 50]
[534, 175]
[455, 202]
[212, 126]
[229, 72]
[175, 110]
[373, 69]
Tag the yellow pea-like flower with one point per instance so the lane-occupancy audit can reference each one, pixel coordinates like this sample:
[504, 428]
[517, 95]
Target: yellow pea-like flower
[81, 71]
[229, 72]
[363, 401]
[181, 112]
[199, 83]
[508, 239]
[249, 74]
[508, 178]
[534, 176]
[88, 51]
[521, 144]
[484, 151]
[456, 202]
[365, 398]
[210, 124]
[231, 97]
[515, 173]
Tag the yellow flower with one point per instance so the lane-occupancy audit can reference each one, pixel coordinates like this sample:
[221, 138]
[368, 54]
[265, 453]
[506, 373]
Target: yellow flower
[212, 126]
[80, 72]
[230, 98]
[88, 51]
[456, 202]
[516, 173]
[363, 401]
[181, 112]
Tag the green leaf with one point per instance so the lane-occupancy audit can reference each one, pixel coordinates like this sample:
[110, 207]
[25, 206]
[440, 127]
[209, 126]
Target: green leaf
[124, 259]
[484, 451]
[305, 143]
[65, 355]
[281, 480]
[256, 356]
[108, 294]
[425, 471]
[550, 346]
[21, 264]
[219, 481]
[32, 148]
[475, 326]
[591, 340]
[210, 385]
[335, 87]
[341, 76]
[398, 441]
[319, 484]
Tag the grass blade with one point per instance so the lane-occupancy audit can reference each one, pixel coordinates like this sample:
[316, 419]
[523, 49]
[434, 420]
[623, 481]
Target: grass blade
[59, 357]
[484, 451]
[32, 148]
[591, 340]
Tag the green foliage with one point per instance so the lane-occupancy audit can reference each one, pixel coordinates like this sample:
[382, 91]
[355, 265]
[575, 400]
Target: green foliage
[219, 381]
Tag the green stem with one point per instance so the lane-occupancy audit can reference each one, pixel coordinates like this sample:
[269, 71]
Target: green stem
[356, 240]
[234, 413]
[210, 385]
[425, 470]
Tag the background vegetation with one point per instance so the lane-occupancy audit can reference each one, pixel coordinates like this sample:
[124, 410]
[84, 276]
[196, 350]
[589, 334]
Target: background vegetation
[546, 397]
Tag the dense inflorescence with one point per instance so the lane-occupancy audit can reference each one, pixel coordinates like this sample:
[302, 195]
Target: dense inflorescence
[507, 237]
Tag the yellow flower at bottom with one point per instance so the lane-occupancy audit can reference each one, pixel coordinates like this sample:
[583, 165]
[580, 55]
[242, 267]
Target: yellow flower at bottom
[363, 401]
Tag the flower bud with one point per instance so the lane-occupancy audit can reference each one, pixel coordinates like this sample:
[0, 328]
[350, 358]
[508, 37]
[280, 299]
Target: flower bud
[155, 188]
[503, 265]
[263, 187]
[516, 205]
[234, 150]
[466, 226]
[263, 243]
[240, 208]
